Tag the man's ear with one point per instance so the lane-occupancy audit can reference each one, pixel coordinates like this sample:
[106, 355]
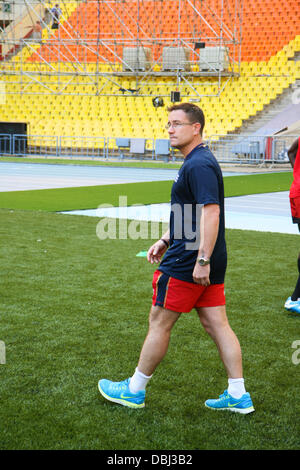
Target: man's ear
[198, 128]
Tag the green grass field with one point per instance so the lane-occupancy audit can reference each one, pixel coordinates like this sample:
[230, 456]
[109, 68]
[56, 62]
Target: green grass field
[90, 197]
[74, 309]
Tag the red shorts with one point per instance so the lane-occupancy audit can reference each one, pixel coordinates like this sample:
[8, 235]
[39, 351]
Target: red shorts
[295, 209]
[181, 296]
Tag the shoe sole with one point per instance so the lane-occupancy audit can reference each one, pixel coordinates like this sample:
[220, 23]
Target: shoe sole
[291, 309]
[243, 411]
[120, 401]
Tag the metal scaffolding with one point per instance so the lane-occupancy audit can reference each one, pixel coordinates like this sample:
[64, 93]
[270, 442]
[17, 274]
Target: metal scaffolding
[122, 47]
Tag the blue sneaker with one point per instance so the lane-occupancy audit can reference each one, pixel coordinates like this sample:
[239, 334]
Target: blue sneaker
[292, 305]
[119, 392]
[242, 405]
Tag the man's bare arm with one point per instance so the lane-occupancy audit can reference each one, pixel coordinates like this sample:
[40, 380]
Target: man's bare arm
[292, 152]
[209, 228]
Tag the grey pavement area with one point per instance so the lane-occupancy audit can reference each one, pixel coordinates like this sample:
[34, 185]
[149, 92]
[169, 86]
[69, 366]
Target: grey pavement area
[26, 176]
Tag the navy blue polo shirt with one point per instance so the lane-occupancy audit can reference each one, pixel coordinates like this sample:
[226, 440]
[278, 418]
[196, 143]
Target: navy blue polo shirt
[198, 182]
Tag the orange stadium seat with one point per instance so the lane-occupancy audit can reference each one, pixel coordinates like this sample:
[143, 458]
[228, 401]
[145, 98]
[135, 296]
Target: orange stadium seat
[267, 25]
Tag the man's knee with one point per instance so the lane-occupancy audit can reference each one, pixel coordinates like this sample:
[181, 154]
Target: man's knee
[162, 318]
[213, 318]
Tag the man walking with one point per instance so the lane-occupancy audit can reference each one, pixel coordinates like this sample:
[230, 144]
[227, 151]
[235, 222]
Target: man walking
[56, 14]
[292, 304]
[191, 273]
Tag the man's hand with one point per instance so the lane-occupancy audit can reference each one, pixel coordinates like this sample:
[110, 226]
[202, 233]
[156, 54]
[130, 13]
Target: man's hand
[156, 251]
[201, 274]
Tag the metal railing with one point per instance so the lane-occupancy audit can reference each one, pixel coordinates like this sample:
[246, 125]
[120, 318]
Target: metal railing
[133, 148]
[235, 149]
[251, 149]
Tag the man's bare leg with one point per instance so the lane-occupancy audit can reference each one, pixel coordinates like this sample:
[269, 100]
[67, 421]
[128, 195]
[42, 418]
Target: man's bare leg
[161, 322]
[236, 399]
[215, 322]
[131, 392]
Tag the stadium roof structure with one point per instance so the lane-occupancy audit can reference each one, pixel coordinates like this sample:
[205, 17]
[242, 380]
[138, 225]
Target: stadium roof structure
[99, 42]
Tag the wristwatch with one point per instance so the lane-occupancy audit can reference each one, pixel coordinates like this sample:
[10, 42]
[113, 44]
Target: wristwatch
[203, 261]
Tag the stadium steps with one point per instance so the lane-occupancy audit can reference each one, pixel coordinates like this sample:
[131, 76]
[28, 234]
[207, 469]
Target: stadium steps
[282, 101]
[25, 52]
[269, 111]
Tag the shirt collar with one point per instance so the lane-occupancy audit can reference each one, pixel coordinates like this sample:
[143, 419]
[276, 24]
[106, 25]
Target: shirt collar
[189, 155]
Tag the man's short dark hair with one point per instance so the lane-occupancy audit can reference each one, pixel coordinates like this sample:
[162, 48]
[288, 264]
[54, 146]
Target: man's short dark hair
[193, 112]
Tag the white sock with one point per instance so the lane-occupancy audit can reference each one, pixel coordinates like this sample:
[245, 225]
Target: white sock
[138, 381]
[236, 387]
